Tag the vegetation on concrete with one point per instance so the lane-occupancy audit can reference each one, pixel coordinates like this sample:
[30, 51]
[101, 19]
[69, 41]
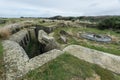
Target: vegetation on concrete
[68, 67]
[32, 50]
[112, 47]
[7, 21]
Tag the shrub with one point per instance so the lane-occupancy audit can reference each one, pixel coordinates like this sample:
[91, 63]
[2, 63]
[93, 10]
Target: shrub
[4, 33]
[110, 23]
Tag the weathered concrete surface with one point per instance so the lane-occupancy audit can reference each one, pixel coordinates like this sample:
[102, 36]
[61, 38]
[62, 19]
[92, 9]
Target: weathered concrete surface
[32, 33]
[19, 36]
[47, 40]
[41, 33]
[15, 59]
[17, 62]
[42, 59]
[105, 60]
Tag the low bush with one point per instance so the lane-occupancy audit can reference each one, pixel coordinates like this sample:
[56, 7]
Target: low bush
[4, 33]
[110, 23]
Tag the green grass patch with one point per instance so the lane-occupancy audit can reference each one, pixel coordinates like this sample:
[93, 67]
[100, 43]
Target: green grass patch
[32, 49]
[66, 67]
[108, 50]
[104, 74]
[1, 49]
[99, 48]
[1, 25]
[1, 61]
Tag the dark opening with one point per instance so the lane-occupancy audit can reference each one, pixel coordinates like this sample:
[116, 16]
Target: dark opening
[25, 41]
[22, 44]
[27, 37]
[34, 48]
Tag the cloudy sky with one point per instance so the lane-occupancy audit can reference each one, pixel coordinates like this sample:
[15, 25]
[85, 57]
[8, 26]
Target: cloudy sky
[47, 8]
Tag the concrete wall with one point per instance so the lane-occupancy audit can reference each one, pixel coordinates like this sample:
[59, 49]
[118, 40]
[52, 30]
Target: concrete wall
[22, 37]
[42, 59]
[15, 59]
[105, 60]
[49, 42]
[32, 33]
[17, 62]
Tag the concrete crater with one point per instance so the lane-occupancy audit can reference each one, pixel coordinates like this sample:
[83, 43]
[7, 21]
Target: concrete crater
[96, 37]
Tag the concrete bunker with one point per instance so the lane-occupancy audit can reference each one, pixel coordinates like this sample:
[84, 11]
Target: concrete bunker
[18, 63]
[34, 40]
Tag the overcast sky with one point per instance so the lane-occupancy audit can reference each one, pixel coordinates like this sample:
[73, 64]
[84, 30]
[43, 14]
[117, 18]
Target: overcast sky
[47, 8]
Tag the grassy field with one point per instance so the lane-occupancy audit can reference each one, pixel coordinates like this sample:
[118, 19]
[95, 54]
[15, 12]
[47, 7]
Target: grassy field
[46, 24]
[112, 47]
[1, 25]
[68, 67]
[1, 62]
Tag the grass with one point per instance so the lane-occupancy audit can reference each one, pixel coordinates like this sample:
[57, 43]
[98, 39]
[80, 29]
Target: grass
[1, 25]
[111, 51]
[32, 49]
[105, 74]
[68, 67]
[1, 62]
[100, 48]
[1, 49]
[39, 22]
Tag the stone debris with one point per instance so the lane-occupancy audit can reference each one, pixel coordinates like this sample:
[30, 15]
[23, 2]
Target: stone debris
[47, 40]
[63, 38]
[95, 77]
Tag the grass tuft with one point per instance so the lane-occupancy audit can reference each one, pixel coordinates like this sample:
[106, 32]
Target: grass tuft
[4, 33]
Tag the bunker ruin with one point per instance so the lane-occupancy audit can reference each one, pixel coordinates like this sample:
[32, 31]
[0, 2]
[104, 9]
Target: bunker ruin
[19, 61]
